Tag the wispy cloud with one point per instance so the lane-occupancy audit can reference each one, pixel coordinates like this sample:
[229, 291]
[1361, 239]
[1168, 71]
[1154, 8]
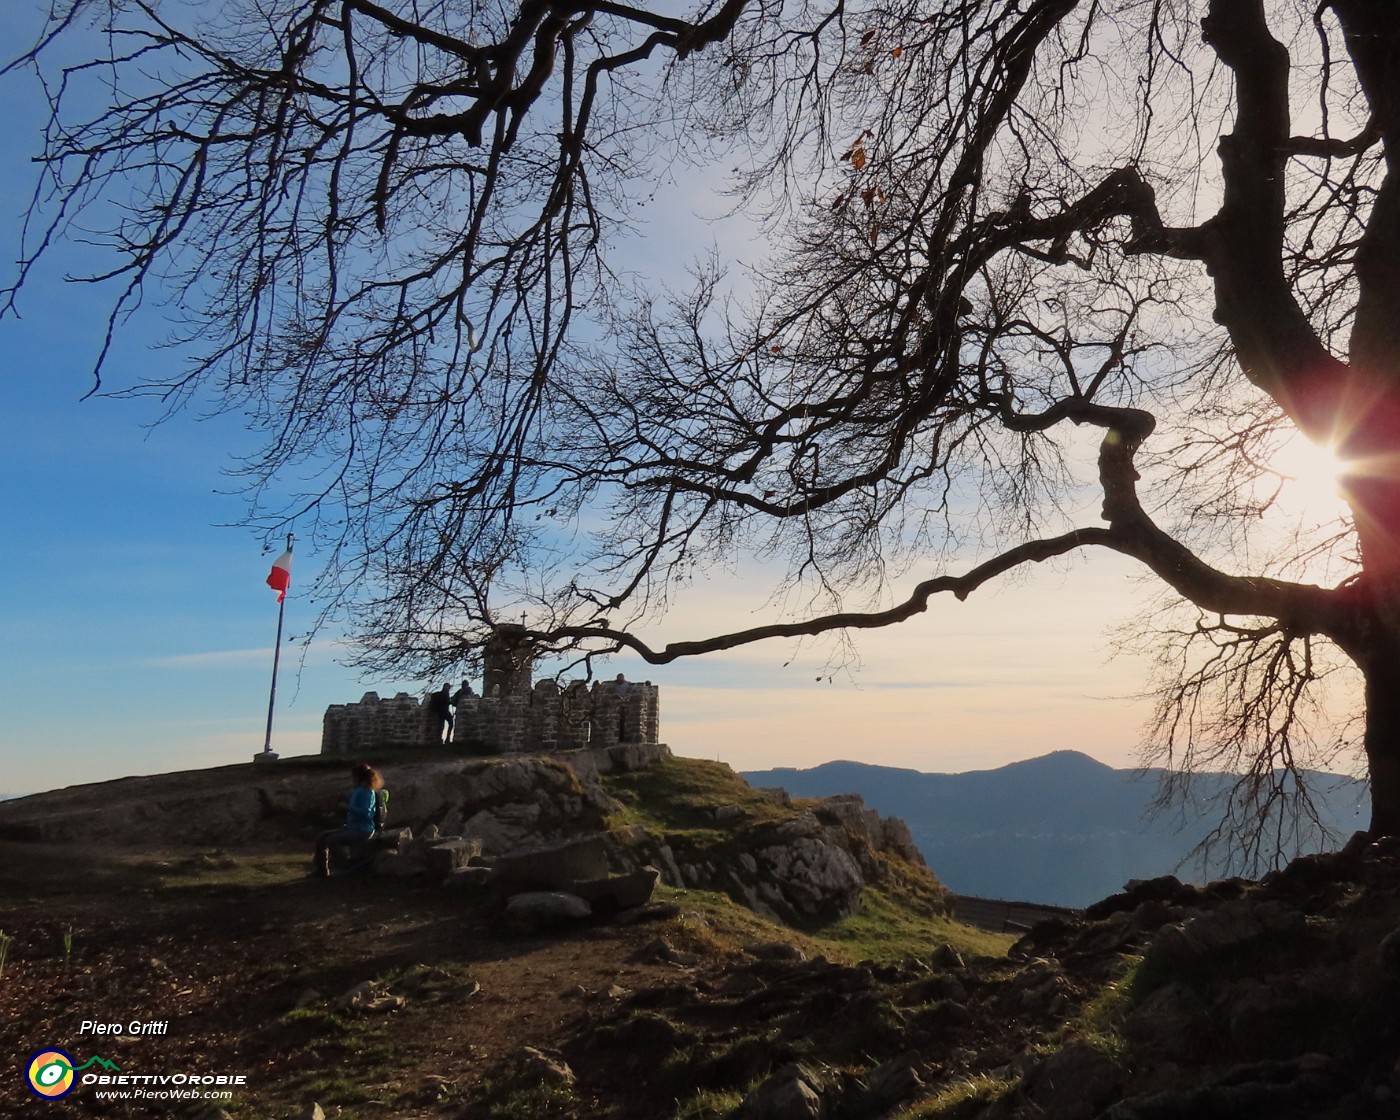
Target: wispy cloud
[293, 653]
[216, 658]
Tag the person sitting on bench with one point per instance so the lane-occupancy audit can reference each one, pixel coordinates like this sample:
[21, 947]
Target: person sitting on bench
[360, 821]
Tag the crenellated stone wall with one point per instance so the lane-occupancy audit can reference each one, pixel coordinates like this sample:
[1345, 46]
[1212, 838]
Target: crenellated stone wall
[513, 714]
[548, 718]
[373, 724]
[542, 717]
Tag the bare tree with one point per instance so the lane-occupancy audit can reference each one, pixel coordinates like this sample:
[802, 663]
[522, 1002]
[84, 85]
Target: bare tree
[994, 222]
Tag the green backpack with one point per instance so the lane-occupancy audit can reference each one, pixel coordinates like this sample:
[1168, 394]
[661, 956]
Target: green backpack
[381, 808]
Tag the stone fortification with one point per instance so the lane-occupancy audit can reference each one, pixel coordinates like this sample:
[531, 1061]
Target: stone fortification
[514, 714]
[546, 718]
[373, 724]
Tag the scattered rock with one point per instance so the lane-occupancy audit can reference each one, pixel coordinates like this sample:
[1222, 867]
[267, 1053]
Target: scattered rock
[935, 988]
[368, 998]
[892, 1082]
[775, 951]
[651, 912]
[661, 951]
[545, 1067]
[471, 877]
[447, 856]
[532, 911]
[791, 1093]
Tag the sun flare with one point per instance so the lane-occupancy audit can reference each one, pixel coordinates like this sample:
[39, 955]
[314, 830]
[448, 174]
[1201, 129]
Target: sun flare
[1312, 476]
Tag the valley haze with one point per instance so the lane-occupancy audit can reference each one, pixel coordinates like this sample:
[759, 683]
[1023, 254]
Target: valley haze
[1061, 829]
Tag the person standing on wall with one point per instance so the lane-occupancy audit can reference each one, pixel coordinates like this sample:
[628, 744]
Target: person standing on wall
[440, 715]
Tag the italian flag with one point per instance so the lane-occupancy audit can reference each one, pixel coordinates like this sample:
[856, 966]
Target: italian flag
[280, 578]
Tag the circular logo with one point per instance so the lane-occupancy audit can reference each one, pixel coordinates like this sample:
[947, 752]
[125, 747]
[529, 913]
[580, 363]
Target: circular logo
[50, 1073]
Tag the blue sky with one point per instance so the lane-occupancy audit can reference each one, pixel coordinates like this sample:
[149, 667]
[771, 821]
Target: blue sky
[137, 632]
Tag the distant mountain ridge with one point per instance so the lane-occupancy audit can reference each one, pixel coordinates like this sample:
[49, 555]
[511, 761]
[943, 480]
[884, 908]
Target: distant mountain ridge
[1061, 828]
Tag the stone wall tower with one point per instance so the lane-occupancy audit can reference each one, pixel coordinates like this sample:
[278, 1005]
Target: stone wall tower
[507, 660]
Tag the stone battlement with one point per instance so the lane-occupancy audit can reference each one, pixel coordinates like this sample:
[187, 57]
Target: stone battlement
[372, 724]
[540, 717]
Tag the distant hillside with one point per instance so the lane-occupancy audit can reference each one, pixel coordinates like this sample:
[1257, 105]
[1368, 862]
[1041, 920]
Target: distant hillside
[1061, 829]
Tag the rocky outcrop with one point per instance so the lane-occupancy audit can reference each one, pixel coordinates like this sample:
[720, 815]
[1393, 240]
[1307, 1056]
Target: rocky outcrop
[1272, 1000]
[524, 814]
[814, 864]
[506, 802]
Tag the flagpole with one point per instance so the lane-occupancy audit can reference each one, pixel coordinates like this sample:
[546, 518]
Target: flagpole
[267, 752]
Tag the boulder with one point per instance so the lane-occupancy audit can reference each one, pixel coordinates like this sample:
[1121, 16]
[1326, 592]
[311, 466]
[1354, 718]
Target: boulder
[1219, 935]
[789, 1094]
[543, 1067]
[815, 878]
[448, 855]
[536, 910]
[616, 892]
[472, 877]
[551, 866]
[892, 1082]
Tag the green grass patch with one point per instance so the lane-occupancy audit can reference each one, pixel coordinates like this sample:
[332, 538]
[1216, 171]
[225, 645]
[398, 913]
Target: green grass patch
[709, 1105]
[317, 1023]
[1099, 1020]
[868, 1026]
[219, 870]
[892, 925]
[714, 924]
[887, 928]
[961, 1099]
[678, 796]
[507, 1099]
[336, 1090]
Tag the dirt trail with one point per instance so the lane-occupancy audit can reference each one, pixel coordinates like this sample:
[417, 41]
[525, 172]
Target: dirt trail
[224, 949]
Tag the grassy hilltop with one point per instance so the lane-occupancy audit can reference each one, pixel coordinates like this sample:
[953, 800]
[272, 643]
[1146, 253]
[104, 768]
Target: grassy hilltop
[371, 996]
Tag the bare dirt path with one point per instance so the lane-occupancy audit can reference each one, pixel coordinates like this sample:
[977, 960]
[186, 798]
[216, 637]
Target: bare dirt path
[239, 964]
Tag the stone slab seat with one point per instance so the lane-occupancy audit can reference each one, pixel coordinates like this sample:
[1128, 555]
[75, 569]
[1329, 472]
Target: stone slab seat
[362, 851]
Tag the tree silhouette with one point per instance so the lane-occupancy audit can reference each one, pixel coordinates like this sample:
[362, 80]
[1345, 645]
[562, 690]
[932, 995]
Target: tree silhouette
[391, 227]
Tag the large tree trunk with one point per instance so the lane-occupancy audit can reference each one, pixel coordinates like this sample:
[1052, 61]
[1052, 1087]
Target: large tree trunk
[1373, 493]
[1383, 737]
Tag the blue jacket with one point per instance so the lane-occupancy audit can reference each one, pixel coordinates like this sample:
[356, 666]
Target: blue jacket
[359, 814]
